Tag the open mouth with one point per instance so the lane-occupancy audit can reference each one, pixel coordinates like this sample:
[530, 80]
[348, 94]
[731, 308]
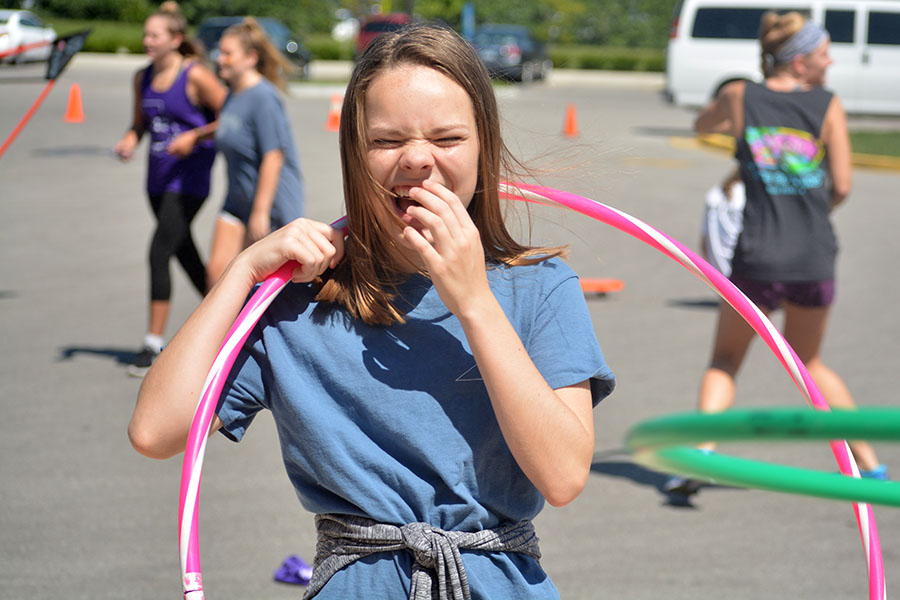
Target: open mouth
[402, 201]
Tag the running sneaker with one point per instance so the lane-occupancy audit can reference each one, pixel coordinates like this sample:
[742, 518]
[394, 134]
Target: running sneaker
[879, 472]
[682, 486]
[142, 362]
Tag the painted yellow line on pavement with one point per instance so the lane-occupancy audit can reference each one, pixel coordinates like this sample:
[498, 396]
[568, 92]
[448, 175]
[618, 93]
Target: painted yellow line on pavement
[725, 143]
[661, 163]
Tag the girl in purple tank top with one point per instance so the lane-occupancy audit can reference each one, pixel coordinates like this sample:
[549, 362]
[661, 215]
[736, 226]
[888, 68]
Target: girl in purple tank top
[176, 101]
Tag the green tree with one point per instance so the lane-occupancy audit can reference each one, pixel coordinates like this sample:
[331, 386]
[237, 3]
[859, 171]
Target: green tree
[625, 23]
[302, 16]
[128, 11]
[448, 11]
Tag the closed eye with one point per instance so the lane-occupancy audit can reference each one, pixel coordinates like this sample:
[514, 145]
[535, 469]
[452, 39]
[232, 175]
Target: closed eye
[386, 143]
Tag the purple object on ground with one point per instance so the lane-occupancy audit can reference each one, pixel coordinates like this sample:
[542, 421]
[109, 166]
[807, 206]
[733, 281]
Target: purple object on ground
[294, 570]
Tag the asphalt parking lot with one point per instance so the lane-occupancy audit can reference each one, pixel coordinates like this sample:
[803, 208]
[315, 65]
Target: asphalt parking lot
[84, 516]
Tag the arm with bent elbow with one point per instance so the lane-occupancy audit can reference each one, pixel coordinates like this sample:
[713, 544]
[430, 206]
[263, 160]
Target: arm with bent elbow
[170, 391]
[719, 116]
[837, 146]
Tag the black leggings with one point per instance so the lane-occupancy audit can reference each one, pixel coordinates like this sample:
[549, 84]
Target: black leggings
[174, 213]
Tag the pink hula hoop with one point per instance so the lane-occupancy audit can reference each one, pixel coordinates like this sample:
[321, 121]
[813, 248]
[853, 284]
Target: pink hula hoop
[192, 465]
[247, 319]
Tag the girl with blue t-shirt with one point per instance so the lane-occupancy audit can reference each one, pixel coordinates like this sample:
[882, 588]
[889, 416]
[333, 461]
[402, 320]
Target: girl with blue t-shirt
[431, 379]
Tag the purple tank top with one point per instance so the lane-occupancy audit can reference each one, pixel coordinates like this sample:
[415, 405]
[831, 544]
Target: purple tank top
[166, 114]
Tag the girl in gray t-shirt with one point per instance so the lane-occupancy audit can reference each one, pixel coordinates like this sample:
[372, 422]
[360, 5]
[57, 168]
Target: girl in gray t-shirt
[265, 189]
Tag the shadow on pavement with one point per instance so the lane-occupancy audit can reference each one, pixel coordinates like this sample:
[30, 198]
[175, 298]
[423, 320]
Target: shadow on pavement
[694, 303]
[616, 464]
[17, 78]
[120, 355]
[65, 151]
[664, 131]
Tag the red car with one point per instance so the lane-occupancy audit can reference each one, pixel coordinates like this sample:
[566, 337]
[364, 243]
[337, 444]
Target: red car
[375, 25]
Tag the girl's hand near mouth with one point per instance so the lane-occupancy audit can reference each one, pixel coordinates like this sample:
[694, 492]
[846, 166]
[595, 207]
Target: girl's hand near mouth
[441, 231]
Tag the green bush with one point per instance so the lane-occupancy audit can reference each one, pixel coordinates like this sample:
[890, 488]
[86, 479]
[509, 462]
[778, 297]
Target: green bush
[112, 36]
[325, 47]
[106, 36]
[127, 11]
[886, 143]
[606, 58]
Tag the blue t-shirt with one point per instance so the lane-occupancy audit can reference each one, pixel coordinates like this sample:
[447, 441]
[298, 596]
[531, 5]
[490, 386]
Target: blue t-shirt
[251, 123]
[395, 423]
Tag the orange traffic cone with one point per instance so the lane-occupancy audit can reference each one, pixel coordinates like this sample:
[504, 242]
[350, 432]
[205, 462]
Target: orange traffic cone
[601, 287]
[333, 123]
[74, 110]
[570, 128]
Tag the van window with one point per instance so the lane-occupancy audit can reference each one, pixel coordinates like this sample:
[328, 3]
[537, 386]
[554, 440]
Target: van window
[731, 23]
[884, 28]
[839, 24]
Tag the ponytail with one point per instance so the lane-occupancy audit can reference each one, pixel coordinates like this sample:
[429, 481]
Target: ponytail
[775, 30]
[177, 25]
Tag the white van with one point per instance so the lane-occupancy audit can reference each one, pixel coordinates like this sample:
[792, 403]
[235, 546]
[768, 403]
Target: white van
[713, 42]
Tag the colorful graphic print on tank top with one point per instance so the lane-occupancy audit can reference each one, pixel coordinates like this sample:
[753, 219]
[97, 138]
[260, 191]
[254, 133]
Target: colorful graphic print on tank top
[788, 161]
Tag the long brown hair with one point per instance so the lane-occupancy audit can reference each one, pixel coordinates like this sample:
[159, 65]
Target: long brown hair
[271, 63]
[365, 280]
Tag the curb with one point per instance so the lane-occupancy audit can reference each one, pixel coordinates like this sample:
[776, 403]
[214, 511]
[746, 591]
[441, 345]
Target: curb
[869, 161]
[332, 71]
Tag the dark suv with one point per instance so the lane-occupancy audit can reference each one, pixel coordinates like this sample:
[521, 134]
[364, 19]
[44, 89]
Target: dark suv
[511, 52]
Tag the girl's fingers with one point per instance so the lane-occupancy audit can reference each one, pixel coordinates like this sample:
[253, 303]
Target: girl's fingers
[315, 249]
[424, 246]
[452, 200]
[430, 224]
[439, 200]
[314, 246]
[328, 247]
[439, 212]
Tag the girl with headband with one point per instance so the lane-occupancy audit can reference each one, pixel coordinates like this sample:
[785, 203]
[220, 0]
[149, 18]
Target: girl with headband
[793, 152]
[432, 380]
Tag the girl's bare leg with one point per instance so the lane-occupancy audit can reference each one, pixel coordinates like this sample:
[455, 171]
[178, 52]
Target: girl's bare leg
[804, 330]
[228, 241]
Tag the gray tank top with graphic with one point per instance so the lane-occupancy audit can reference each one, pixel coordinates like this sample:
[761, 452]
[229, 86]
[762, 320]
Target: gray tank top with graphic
[787, 233]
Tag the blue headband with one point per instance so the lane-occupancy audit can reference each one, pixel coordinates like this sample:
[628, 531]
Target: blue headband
[810, 37]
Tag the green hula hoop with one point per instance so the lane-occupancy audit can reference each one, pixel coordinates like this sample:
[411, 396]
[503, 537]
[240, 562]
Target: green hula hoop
[660, 444]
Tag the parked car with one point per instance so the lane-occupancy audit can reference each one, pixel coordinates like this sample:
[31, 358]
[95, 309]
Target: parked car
[511, 52]
[23, 28]
[210, 30]
[713, 42]
[371, 27]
